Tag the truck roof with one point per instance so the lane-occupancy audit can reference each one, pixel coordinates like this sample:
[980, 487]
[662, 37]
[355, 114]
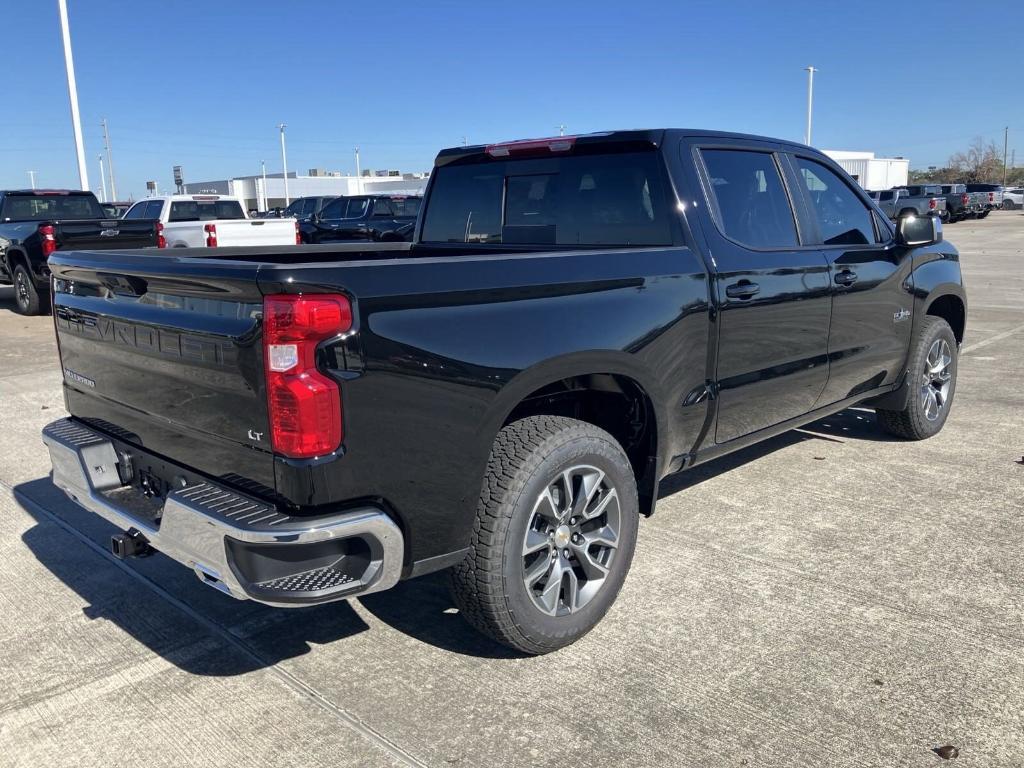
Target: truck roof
[45, 192]
[199, 197]
[649, 136]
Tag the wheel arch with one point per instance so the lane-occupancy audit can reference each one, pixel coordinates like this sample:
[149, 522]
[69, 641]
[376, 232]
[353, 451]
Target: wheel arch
[607, 390]
[951, 308]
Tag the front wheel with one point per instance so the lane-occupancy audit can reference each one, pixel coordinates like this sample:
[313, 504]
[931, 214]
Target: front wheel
[933, 365]
[554, 535]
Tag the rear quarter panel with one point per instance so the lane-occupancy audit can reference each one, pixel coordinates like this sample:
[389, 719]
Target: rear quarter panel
[445, 348]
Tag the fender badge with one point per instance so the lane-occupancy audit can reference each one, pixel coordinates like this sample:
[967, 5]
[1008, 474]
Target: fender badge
[899, 317]
[79, 378]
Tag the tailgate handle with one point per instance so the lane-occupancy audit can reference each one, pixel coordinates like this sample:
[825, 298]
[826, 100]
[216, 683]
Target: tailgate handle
[123, 285]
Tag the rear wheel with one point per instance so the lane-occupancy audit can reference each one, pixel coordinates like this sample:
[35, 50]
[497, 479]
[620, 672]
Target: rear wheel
[983, 214]
[1009, 205]
[27, 299]
[933, 365]
[554, 536]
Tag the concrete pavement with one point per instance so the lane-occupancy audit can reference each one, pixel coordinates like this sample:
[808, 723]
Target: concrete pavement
[829, 598]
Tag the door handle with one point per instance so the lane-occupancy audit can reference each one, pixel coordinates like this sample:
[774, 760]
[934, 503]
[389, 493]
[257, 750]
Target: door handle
[744, 289]
[846, 277]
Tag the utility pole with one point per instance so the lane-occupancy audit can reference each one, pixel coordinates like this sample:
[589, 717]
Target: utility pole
[1006, 139]
[110, 160]
[32, 178]
[103, 180]
[561, 129]
[263, 202]
[284, 165]
[76, 122]
[810, 101]
[359, 175]
[465, 142]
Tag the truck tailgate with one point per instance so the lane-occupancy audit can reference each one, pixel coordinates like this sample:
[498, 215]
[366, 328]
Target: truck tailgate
[106, 233]
[256, 232]
[171, 362]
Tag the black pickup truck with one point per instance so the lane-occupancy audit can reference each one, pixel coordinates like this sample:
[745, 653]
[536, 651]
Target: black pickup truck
[35, 223]
[378, 218]
[577, 318]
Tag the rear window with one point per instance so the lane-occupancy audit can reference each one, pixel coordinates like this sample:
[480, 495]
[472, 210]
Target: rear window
[205, 210]
[576, 200]
[42, 207]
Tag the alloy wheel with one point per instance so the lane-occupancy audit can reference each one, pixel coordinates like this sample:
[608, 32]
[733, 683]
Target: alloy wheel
[936, 379]
[21, 289]
[571, 540]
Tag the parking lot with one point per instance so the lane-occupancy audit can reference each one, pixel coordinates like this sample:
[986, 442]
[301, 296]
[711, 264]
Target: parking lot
[830, 597]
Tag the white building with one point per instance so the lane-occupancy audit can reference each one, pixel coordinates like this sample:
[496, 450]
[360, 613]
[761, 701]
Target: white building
[872, 172]
[261, 194]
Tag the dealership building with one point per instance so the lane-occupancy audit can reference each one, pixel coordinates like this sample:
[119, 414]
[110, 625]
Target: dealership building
[261, 193]
[872, 172]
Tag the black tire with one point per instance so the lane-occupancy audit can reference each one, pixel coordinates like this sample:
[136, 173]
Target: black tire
[27, 298]
[1009, 205]
[984, 213]
[914, 422]
[527, 460]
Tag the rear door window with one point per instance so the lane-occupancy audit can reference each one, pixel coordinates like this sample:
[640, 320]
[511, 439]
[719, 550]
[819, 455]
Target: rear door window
[752, 205]
[843, 219]
[154, 208]
[600, 200]
[382, 209]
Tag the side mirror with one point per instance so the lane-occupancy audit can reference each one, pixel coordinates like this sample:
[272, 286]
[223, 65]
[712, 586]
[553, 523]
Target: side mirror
[915, 231]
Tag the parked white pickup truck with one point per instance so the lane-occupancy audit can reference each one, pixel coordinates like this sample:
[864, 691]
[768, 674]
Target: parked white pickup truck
[195, 221]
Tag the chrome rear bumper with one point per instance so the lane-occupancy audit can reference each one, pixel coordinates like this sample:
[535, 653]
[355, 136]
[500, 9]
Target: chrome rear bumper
[240, 545]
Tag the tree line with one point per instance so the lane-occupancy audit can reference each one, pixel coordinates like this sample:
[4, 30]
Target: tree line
[981, 162]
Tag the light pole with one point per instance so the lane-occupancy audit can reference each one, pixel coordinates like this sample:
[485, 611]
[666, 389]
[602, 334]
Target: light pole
[810, 101]
[284, 165]
[110, 160]
[103, 180]
[1006, 139]
[76, 123]
[32, 178]
[263, 201]
[359, 175]
[561, 129]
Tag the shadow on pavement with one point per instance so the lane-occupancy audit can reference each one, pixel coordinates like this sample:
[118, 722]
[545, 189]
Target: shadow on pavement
[420, 607]
[246, 635]
[853, 424]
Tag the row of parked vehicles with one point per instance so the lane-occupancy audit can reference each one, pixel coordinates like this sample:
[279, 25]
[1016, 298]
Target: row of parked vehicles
[35, 223]
[950, 202]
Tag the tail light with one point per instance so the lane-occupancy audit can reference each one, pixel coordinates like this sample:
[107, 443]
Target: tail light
[991, 197]
[298, 234]
[304, 404]
[931, 204]
[964, 199]
[161, 241]
[47, 239]
[211, 235]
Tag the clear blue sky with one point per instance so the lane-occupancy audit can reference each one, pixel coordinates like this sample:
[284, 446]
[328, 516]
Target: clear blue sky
[203, 84]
